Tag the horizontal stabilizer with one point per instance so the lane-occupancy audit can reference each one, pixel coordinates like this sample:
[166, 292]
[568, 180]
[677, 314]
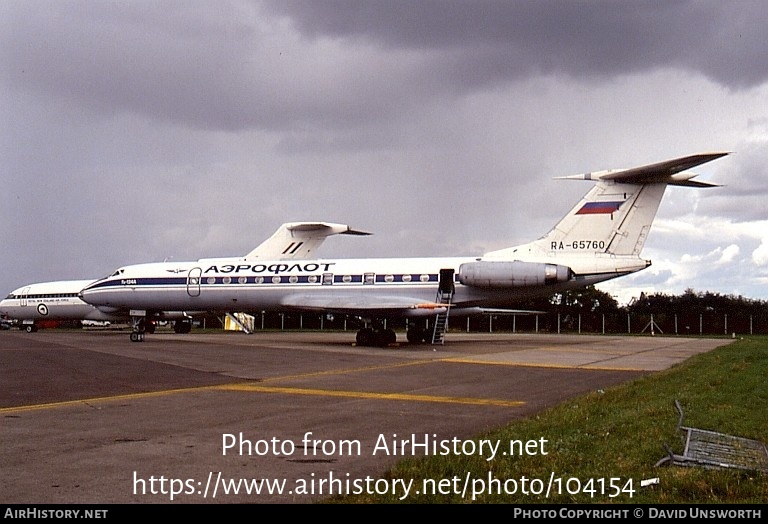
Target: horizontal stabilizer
[667, 172]
[301, 229]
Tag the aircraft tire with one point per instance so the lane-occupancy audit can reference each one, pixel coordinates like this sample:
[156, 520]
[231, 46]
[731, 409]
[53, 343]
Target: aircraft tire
[415, 335]
[365, 337]
[385, 337]
[182, 326]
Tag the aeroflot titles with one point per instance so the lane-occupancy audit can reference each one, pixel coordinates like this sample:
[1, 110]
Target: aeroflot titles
[271, 268]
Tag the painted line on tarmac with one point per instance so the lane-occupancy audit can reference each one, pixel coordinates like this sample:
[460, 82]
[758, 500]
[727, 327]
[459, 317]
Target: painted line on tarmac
[516, 363]
[100, 400]
[255, 388]
[371, 395]
[349, 371]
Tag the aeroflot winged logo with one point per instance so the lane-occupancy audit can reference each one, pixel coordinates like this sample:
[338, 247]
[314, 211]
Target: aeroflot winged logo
[599, 208]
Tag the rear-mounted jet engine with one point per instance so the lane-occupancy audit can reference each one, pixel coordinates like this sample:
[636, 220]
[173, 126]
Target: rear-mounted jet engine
[489, 274]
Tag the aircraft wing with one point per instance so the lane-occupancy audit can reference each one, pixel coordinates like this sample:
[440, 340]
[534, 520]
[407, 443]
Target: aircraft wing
[363, 305]
[494, 311]
[298, 240]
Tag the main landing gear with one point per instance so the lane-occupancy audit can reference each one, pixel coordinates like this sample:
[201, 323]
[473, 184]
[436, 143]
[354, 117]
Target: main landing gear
[380, 336]
[417, 335]
[369, 336]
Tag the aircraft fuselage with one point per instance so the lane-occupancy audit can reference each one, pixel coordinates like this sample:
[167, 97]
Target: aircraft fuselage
[331, 285]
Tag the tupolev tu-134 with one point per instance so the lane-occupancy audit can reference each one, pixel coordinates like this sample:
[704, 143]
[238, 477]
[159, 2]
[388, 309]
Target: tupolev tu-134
[600, 238]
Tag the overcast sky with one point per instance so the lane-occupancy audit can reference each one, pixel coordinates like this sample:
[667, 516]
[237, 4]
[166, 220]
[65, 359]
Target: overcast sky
[140, 131]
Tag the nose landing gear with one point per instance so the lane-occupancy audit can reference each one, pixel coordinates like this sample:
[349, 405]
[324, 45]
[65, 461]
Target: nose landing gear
[139, 327]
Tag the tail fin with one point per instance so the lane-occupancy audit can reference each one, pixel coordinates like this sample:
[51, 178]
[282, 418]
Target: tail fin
[298, 240]
[615, 216]
[611, 218]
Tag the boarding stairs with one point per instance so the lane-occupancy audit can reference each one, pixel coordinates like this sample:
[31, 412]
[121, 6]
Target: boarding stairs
[441, 320]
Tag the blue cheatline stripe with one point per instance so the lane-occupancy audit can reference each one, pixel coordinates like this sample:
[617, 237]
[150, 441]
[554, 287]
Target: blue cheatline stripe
[268, 279]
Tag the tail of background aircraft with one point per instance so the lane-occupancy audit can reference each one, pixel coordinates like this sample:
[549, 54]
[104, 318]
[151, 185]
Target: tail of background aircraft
[615, 216]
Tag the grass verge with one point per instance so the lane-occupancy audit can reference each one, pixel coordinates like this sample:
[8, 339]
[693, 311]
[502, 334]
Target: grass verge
[617, 433]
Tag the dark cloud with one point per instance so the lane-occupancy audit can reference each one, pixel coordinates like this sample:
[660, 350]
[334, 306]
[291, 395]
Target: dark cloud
[484, 41]
[235, 65]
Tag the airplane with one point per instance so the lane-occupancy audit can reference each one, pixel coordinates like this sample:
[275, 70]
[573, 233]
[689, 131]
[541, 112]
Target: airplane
[60, 300]
[600, 238]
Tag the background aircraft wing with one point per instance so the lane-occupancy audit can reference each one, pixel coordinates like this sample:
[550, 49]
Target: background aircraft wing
[298, 240]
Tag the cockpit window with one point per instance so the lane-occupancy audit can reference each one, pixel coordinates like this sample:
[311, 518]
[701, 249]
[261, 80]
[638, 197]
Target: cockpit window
[118, 272]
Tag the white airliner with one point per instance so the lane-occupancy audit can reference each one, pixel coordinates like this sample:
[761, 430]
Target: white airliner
[599, 239]
[60, 300]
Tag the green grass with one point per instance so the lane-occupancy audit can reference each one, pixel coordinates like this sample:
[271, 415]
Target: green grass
[619, 433]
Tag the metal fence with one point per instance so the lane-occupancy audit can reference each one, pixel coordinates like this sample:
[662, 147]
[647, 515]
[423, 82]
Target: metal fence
[616, 323]
[622, 323]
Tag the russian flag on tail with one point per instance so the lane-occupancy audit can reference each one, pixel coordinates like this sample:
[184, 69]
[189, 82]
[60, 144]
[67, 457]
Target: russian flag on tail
[599, 208]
